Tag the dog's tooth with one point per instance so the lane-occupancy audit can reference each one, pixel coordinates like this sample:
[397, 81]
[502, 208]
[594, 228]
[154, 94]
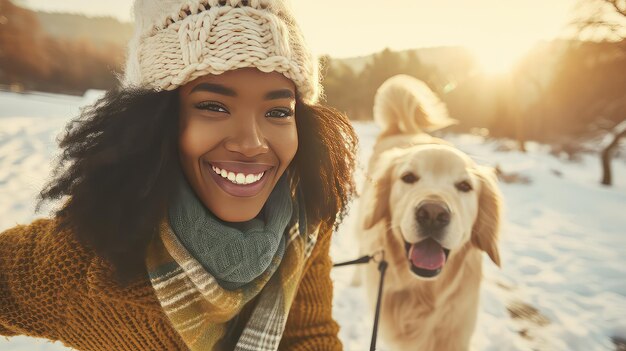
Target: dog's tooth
[224, 173]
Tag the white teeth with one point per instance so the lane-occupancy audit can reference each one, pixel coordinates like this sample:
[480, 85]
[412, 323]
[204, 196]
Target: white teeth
[241, 178]
[238, 178]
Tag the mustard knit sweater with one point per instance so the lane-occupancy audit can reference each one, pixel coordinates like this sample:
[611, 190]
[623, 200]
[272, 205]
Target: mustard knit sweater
[52, 287]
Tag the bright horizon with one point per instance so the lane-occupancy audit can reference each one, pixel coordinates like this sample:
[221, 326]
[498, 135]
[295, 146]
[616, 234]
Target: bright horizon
[498, 31]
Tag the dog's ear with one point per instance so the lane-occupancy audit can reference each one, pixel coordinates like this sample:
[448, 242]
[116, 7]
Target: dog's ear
[376, 201]
[487, 226]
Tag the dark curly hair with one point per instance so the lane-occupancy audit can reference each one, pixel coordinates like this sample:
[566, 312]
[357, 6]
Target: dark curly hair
[119, 160]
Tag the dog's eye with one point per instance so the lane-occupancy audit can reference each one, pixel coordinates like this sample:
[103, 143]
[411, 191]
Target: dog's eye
[464, 186]
[410, 178]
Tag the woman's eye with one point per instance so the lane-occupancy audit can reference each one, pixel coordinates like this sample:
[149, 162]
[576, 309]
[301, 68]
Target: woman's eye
[279, 113]
[211, 106]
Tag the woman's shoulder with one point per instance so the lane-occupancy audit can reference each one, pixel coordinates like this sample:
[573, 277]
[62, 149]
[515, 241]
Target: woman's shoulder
[45, 240]
[48, 280]
[43, 250]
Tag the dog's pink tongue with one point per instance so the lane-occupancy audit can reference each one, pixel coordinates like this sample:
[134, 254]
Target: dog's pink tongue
[427, 254]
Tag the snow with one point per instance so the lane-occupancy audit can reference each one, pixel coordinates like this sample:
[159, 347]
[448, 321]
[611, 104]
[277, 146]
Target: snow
[563, 242]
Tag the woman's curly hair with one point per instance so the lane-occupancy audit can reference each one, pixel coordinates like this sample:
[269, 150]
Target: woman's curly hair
[119, 161]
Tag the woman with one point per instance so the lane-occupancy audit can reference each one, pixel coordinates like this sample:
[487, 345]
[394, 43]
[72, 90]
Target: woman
[200, 196]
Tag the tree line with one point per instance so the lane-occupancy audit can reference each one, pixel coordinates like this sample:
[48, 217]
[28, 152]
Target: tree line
[30, 59]
[560, 90]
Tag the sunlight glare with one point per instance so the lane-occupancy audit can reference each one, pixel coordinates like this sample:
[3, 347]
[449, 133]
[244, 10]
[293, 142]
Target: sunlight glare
[499, 58]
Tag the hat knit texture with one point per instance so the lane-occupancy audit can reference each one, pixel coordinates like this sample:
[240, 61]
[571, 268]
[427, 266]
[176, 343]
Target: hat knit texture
[177, 41]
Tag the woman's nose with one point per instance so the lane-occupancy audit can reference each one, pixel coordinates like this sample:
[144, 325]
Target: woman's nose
[247, 138]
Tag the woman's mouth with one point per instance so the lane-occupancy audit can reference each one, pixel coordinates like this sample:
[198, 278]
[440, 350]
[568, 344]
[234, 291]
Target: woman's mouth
[239, 178]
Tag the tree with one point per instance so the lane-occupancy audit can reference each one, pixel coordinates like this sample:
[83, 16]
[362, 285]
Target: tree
[607, 153]
[352, 91]
[608, 23]
[32, 60]
[601, 20]
[387, 64]
[341, 88]
[21, 42]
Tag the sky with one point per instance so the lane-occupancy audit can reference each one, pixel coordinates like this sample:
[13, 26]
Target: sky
[348, 28]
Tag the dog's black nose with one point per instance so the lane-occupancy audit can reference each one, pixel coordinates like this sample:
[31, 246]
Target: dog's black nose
[432, 215]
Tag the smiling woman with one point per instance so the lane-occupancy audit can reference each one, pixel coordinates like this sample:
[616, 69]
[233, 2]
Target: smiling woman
[238, 134]
[200, 196]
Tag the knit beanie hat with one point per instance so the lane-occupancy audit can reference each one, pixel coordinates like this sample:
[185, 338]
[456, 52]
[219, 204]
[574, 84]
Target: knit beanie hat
[177, 41]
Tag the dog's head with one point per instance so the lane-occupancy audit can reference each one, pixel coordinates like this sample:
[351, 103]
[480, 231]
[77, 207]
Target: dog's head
[437, 200]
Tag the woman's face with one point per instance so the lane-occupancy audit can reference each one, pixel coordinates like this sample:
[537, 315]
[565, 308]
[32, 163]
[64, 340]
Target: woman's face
[237, 136]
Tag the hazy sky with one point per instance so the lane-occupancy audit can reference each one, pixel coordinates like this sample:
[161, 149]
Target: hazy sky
[345, 28]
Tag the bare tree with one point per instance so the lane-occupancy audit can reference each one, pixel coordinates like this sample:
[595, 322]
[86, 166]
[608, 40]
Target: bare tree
[601, 20]
[607, 152]
[605, 20]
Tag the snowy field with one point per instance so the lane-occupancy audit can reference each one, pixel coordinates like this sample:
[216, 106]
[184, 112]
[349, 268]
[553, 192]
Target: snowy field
[563, 281]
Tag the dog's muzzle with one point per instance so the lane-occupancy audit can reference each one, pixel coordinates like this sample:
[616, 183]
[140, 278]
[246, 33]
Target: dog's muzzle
[428, 257]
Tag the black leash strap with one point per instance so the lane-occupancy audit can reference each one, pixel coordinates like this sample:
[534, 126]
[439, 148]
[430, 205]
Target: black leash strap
[364, 259]
[382, 267]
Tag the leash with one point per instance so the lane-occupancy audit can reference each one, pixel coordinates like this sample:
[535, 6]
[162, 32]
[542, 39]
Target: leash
[378, 256]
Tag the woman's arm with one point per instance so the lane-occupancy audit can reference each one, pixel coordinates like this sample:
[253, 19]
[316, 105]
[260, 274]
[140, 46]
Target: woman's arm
[31, 302]
[9, 310]
[6, 299]
[310, 325]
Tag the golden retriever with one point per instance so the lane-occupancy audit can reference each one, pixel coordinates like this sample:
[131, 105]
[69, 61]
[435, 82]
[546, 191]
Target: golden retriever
[433, 211]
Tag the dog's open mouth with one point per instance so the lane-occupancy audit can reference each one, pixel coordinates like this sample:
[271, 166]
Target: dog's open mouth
[427, 257]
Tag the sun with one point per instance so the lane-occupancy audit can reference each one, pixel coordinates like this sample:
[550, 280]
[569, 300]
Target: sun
[500, 57]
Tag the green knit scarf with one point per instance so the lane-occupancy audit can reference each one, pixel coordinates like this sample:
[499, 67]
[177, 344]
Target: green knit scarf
[234, 253]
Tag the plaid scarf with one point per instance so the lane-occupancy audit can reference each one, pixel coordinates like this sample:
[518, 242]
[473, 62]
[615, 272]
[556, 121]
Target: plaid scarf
[200, 309]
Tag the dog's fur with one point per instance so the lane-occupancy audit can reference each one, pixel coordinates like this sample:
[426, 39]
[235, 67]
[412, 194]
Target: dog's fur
[433, 313]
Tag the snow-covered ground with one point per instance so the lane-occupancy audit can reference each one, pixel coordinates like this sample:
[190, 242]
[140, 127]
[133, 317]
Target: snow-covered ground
[563, 245]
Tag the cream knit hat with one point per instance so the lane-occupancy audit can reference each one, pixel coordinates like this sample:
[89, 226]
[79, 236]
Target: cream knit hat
[177, 41]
